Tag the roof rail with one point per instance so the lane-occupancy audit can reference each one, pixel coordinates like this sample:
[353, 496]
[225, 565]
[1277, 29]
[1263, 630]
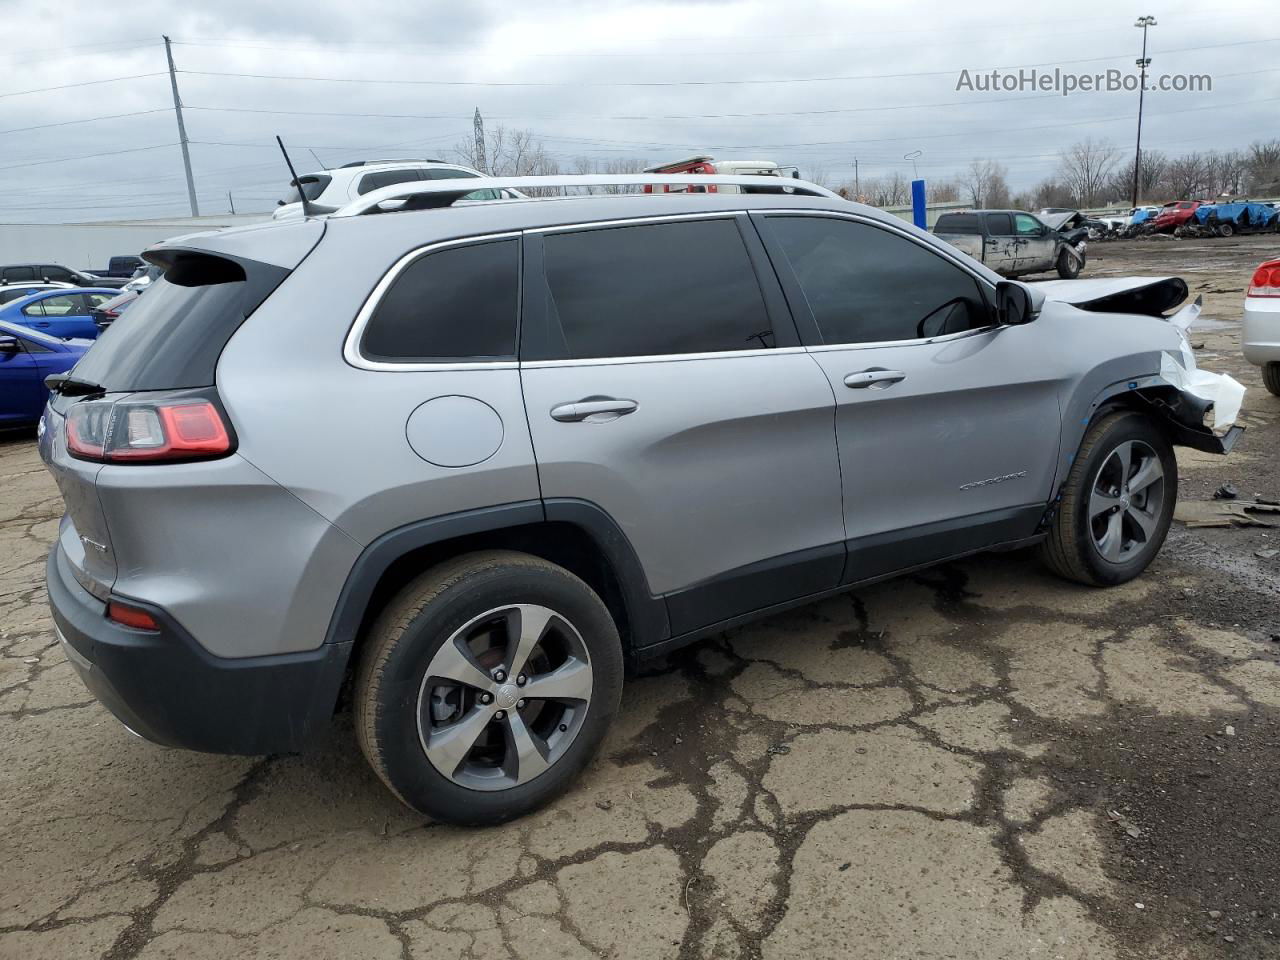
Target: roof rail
[432, 194]
[367, 163]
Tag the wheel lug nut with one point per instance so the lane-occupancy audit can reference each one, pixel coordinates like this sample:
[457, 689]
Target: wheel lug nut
[520, 704]
[486, 698]
[499, 675]
[521, 680]
[500, 715]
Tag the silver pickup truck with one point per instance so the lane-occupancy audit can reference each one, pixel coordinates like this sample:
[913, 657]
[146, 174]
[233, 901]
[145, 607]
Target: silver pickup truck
[1013, 243]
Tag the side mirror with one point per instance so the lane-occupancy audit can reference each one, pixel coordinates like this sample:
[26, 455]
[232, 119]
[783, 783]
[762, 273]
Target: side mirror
[1013, 304]
[9, 345]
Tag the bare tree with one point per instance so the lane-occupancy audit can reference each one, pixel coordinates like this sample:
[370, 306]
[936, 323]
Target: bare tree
[1228, 172]
[1150, 174]
[1263, 165]
[1187, 176]
[981, 179]
[1084, 168]
[510, 153]
[944, 191]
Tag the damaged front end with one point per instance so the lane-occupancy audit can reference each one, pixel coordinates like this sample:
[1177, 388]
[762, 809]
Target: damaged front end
[1199, 407]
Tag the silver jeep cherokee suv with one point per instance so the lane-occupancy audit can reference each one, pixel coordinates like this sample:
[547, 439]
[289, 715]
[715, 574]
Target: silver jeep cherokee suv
[468, 461]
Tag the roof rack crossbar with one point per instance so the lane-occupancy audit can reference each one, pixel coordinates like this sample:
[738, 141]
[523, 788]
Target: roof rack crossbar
[434, 194]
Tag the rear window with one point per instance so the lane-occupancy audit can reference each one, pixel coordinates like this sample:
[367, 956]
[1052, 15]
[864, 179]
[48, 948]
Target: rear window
[958, 223]
[312, 185]
[456, 303]
[172, 337]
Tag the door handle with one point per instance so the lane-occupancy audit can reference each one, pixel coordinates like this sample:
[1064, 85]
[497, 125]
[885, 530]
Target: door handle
[873, 378]
[581, 409]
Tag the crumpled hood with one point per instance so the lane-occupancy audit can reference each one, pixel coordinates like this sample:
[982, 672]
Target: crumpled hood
[1150, 296]
[1056, 221]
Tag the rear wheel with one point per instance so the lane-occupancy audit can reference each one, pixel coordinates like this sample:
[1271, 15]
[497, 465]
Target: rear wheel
[1271, 377]
[1068, 266]
[486, 686]
[1226, 229]
[1117, 503]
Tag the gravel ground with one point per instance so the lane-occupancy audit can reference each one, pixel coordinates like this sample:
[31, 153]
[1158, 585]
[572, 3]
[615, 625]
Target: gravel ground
[977, 762]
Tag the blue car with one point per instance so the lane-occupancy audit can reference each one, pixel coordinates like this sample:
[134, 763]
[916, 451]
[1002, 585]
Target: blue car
[26, 358]
[60, 313]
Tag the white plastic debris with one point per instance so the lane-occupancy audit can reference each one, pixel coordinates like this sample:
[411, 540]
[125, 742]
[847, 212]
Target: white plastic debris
[1225, 392]
[1180, 370]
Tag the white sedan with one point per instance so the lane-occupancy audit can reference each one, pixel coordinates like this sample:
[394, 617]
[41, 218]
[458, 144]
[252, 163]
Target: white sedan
[1261, 334]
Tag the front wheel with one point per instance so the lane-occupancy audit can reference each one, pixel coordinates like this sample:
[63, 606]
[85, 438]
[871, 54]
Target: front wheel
[1068, 266]
[1117, 503]
[486, 686]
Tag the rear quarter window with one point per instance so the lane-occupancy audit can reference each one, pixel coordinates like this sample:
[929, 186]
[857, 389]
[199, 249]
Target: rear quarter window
[453, 303]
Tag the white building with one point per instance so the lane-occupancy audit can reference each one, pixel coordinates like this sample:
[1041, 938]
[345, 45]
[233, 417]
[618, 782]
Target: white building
[88, 246]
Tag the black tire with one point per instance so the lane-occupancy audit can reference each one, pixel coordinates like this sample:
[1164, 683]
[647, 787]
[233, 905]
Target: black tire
[1226, 229]
[1271, 377]
[415, 626]
[1068, 267]
[1070, 549]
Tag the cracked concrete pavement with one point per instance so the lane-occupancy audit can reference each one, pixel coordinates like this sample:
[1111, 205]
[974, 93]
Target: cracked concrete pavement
[977, 761]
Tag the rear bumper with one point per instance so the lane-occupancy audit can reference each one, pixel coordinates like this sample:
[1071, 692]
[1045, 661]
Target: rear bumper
[1260, 335]
[168, 689]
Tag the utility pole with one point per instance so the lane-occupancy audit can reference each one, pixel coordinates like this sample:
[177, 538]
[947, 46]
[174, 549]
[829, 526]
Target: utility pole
[857, 190]
[1143, 62]
[482, 164]
[182, 130]
[232, 202]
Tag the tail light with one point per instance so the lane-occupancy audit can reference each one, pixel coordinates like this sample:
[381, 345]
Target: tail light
[1266, 280]
[165, 429]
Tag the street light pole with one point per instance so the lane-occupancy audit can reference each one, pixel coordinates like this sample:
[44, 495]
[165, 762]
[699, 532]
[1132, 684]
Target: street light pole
[1143, 62]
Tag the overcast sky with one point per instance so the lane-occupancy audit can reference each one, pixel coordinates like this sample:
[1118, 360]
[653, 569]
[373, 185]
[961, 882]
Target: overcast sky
[809, 85]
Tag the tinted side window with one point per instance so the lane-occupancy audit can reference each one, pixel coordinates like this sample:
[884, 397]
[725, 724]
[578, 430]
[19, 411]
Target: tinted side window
[454, 303]
[655, 289]
[999, 225]
[447, 173]
[58, 274]
[958, 223]
[18, 274]
[866, 285]
[372, 181]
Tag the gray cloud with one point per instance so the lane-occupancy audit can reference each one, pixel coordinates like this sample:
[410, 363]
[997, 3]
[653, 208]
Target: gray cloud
[579, 48]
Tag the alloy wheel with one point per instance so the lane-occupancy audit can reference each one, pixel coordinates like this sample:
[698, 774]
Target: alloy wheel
[504, 697]
[1126, 501]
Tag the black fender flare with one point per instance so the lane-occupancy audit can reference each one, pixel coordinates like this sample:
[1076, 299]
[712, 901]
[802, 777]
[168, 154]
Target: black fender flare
[647, 615]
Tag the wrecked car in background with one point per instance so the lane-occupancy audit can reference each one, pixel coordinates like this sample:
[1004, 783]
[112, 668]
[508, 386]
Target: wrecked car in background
[1014, 243]
[1228, 219]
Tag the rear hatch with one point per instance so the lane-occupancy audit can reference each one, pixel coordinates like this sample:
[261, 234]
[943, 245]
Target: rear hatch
[169, 340]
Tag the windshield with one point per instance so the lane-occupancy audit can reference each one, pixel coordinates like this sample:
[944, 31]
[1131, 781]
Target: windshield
[313, 185]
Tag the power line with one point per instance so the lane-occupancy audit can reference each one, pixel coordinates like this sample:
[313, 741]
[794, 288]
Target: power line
[68, 123]
[117, 47]
[87, 156]
[83, 83]
[700, 83]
